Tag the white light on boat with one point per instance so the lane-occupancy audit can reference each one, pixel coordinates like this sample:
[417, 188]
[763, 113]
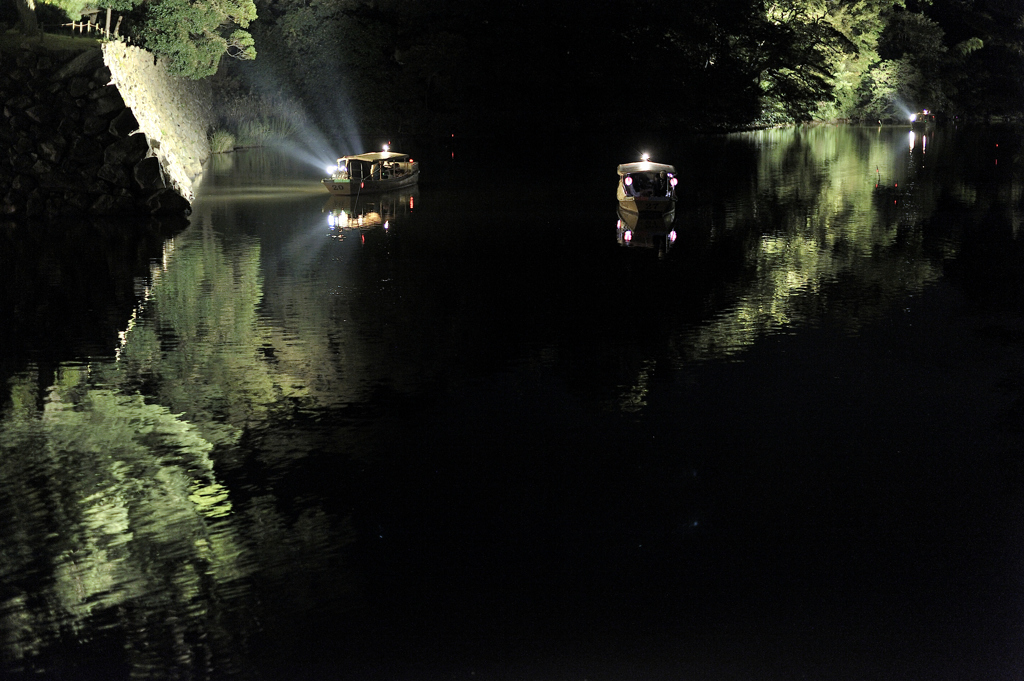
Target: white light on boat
[331, 169]
[628, 181]
[913, 117]
[672, 237]
[385, 148]
[627, 236]
[674, 182]
[645, 157]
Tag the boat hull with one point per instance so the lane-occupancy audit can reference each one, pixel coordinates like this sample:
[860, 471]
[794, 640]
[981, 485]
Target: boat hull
[357, 187]
[647, 208]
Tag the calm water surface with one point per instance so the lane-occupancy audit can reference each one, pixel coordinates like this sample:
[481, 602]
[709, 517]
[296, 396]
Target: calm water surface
[462, 433]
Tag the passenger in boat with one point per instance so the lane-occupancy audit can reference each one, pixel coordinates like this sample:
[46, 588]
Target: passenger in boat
[661, 184]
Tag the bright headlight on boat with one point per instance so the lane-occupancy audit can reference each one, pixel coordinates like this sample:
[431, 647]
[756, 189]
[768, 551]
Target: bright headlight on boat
[913, 117]
[645, 157]
[331, 169]
[385, 148]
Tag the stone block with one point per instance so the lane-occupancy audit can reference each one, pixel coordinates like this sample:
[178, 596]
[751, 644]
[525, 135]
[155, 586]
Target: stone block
[167, 202]
[148, 174]
[93, 125]
[78, 86]
[85, 149]
[114, 174]
[124, 124]
[127, 151]
[110, 104]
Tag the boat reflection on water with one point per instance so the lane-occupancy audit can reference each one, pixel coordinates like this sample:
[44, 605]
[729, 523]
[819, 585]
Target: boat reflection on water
[654, 232]
[348, 214]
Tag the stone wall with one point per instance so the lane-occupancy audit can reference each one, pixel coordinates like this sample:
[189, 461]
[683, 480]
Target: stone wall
[99, 132]
[175, 113]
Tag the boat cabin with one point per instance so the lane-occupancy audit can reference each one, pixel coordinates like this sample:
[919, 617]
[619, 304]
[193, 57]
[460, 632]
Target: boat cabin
[646, 179]
[380, 165]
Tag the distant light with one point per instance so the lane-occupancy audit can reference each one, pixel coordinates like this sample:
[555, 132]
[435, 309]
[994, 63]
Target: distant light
[386, 225]
[385, 147]
[627, 236]
[672, 240]
[674, 182]
[645, 157]
[628, 181]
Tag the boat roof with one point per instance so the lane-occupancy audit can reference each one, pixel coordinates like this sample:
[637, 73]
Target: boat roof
[645, 167]
[375, 156]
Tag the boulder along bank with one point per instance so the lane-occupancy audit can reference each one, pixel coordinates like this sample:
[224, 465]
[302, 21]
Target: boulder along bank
[75, 148]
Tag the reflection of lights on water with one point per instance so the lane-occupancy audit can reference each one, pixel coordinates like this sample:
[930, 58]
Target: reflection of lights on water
[913, 137]
[410, 203]
[386, 225]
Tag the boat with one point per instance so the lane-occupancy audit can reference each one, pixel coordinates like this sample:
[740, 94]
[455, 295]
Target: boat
[922, 120]
[371, 173]
[646, 189]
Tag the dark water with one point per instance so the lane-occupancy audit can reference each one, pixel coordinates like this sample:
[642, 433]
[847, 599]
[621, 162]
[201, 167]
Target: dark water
[476, 438]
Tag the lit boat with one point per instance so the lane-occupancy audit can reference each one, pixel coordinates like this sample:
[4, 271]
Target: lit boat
[379, 171]
[922, 120]
[646, 190]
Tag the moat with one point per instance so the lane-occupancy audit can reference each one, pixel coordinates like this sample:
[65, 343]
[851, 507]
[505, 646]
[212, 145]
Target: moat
[474, 437]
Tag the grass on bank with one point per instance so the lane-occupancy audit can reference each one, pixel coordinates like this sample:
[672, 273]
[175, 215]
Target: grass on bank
[13, 39]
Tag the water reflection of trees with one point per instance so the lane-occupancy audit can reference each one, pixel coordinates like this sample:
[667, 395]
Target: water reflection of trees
[118, 516]
[832, 224]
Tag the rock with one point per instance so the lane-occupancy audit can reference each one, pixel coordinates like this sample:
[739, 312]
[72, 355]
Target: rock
[50, 150]
[124, 124]
[94, 125]
[104, 106]
[87, 61]
[78, 86]
[57, 181]
[148, 174]
[41, 167]
[167, 202]
[40, 113]
[114, 174]
[85, 149]
[101, 75]
[24, 183]
[127, 151]
[18, 103]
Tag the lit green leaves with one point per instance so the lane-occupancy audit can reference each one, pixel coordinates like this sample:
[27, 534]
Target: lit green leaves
[193, 36]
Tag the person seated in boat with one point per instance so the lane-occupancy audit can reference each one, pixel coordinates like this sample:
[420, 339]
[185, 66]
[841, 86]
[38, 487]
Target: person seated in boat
[661, 184]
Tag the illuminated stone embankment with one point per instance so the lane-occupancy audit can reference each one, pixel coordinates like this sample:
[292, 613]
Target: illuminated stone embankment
[98, 133]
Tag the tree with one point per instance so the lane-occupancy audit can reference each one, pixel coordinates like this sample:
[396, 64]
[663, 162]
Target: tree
[193, 35]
